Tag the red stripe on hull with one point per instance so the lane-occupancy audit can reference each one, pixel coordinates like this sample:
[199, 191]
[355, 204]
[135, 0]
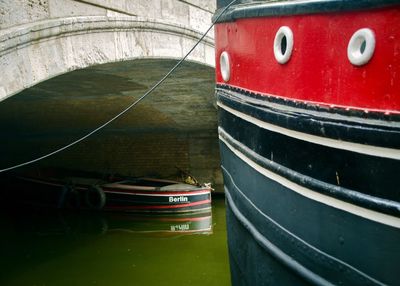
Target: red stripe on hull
[186, 219]
[318, 70]
[160, 206]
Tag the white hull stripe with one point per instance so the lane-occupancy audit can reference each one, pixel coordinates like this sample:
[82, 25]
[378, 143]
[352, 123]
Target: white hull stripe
[338, 144]
[324, 199]
[237, 212]
[157, 195]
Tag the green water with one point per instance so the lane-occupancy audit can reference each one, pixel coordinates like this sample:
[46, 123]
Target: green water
[58, 248]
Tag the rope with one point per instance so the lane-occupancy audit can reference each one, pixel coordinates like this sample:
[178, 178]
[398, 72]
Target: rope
[124, 110]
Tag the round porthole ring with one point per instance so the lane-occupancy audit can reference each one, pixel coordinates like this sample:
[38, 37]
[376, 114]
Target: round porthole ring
[361, 47]
[225, 66]
[286, 33]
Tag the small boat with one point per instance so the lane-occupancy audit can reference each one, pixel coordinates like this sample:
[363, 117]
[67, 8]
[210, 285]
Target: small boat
[144, 195]
[308, 96]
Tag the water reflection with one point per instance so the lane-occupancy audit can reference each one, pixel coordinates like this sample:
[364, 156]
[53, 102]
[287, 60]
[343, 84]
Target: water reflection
[42, 247]
[163, 225]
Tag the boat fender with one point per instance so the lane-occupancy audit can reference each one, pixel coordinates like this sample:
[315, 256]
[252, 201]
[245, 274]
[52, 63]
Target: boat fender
[63, 195]
[95, 198]
[73, 198]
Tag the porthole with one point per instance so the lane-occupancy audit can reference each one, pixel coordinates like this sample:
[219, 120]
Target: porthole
[361, 47]
[225, 67]
[283, 44]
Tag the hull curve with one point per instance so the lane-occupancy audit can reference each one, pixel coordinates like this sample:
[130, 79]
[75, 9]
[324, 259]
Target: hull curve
[310, 141]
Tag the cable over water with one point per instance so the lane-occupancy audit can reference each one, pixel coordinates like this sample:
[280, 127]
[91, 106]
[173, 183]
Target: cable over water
[124, 110]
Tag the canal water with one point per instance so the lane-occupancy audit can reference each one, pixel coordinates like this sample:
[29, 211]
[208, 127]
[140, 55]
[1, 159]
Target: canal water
[43, 247]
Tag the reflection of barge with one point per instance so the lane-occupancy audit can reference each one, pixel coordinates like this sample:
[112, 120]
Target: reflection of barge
[309, 126]
[66, 190]
[42, 236]
[162, 225]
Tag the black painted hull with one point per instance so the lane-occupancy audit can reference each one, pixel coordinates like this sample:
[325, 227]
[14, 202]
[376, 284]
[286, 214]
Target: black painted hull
[302, 212]
[197, 200]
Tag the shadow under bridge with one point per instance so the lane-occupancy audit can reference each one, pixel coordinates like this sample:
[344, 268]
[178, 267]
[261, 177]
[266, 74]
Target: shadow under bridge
[172, 129]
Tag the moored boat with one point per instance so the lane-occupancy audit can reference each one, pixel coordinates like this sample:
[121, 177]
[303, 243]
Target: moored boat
[66, 190]
[309, 128]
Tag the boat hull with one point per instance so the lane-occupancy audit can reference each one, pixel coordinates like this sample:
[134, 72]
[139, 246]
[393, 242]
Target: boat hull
[309, 240]
[319, 212]
[310, 144]
[161, 202]
[93, 194]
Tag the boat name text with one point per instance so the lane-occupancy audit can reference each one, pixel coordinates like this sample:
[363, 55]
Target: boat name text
[178, 199]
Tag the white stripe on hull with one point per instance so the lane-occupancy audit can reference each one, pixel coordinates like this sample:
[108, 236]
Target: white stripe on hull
[156, 195]
[327, 200]
[337, 144]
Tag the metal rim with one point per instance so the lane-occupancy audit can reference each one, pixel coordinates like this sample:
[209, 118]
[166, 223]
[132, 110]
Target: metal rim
[225, 66]
[361, 47]
[283, 45]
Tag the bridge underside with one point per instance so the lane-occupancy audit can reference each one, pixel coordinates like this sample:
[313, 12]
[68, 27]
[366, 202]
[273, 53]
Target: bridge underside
[174, 127]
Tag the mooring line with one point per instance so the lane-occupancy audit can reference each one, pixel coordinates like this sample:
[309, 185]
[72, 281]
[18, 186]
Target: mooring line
[127, 108]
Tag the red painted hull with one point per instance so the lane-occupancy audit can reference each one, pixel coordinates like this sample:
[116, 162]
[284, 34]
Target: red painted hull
[318, 71]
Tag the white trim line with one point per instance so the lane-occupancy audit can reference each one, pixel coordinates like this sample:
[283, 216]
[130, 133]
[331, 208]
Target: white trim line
[156, 195]
[231, 202]
[327, 200]
[337, 144]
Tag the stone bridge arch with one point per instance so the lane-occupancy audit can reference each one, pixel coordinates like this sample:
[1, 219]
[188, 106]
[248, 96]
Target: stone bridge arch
[40, 39]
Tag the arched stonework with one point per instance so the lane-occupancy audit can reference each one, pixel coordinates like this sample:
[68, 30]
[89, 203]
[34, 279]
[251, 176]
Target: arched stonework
[33, 52]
